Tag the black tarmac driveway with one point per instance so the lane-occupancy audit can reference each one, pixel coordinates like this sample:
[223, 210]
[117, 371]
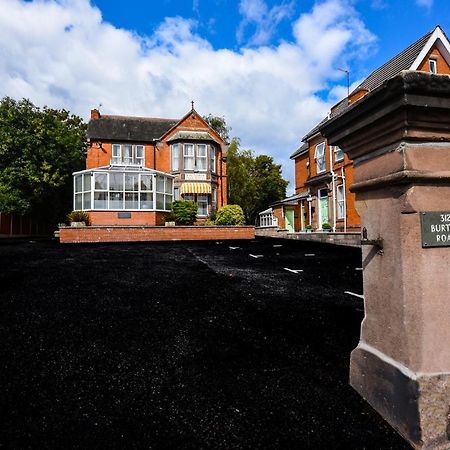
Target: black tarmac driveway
[182, 346]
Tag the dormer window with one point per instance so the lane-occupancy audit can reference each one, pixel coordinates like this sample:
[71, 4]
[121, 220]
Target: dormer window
[433, 65]
[127, 154]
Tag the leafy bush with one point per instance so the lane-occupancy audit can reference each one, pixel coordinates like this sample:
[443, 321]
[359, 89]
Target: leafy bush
[230, 215]
[184, 212]
[79, 216]
[308, 227]
[326, 226]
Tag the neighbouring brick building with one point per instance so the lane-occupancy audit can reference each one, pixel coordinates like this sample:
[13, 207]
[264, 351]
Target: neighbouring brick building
[324, 173]
[136, 167]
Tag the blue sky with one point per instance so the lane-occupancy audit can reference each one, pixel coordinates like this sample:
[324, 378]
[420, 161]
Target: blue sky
[268, 66]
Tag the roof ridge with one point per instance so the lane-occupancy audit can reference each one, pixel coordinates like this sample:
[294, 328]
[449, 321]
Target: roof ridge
[153, 119]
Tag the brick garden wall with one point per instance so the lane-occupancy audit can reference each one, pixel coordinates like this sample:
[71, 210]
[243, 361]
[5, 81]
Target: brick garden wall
[68, 235]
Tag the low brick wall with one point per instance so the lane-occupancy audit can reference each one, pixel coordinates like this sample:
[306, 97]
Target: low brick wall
[348, 239]
[72, 235]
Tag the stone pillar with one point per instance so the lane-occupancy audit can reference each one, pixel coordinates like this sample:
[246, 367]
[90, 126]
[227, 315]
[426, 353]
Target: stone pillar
[398, 137]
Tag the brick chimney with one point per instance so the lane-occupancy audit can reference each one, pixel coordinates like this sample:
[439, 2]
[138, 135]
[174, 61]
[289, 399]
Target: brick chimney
[95, 114]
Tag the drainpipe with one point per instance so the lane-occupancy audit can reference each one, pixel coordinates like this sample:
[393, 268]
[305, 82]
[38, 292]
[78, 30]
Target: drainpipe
[221, 180]
[345, 200]
[333, 187]
[154, 155]
[309, 200]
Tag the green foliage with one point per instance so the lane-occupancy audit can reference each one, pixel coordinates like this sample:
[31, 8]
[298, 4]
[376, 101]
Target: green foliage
[230, 215]
[79, 216]
[39, 150]
[308, 227]
[184, 212]
[326, 226]
[219, 125]
[254, 182]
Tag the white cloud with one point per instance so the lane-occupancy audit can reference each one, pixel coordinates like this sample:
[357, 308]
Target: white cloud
[256, 13]
[61, 53]
[426, 3]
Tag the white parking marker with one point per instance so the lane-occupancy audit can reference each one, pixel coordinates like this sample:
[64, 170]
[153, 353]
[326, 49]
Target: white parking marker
[278, 245]
[358, 268]
[256, 256]
[354, 295]
[293, 270]
[310, 254]
[233, 248]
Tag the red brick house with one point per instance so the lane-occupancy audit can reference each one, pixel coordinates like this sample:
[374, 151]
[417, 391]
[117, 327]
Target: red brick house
[323, 173]
[137, 166]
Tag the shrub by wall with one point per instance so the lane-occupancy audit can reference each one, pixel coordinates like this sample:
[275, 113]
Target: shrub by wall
[184, 212]
[230, 215]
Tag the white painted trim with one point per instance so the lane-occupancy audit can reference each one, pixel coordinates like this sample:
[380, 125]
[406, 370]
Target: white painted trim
[438, 38]
[402, 368]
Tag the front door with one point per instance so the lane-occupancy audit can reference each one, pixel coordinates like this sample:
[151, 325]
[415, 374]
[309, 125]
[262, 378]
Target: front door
[323, 207]
[289, 217]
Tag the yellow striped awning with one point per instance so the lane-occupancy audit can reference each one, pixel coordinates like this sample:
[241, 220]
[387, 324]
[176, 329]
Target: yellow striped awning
[195, 188]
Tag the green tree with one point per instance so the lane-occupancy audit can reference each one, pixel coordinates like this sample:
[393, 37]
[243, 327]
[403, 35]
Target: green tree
[219, 125]
[254, 182]
[39, 150]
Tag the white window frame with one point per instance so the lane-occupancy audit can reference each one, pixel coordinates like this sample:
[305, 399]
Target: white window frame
[213, 159]
[319, 156]
[175, 158]
[340, 196]
[139, 159]
[116, 155]
[433, 65]
[203, 158]
[338, 151]
[202, 199]
[214, 199]
[188, 156]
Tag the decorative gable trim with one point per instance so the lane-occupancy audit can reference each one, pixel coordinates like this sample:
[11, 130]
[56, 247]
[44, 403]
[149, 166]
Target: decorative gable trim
[440, 39]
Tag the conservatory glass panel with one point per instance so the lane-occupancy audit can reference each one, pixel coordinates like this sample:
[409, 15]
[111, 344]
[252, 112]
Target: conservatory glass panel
[131, 182]
[146, 182]
[115, 200]
[159, 183]
[160, 201]
[131, 200]
[101, 181]
[169, 183]
[78, 201]
[87, 182]
[116, 181]
[78, 183]
[87, 200]
[146, 201]
[100, 200]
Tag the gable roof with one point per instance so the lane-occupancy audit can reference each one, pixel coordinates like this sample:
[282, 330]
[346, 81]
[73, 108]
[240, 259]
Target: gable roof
[403, 61]
[124, 128]
[408, 59]
[300, 151]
